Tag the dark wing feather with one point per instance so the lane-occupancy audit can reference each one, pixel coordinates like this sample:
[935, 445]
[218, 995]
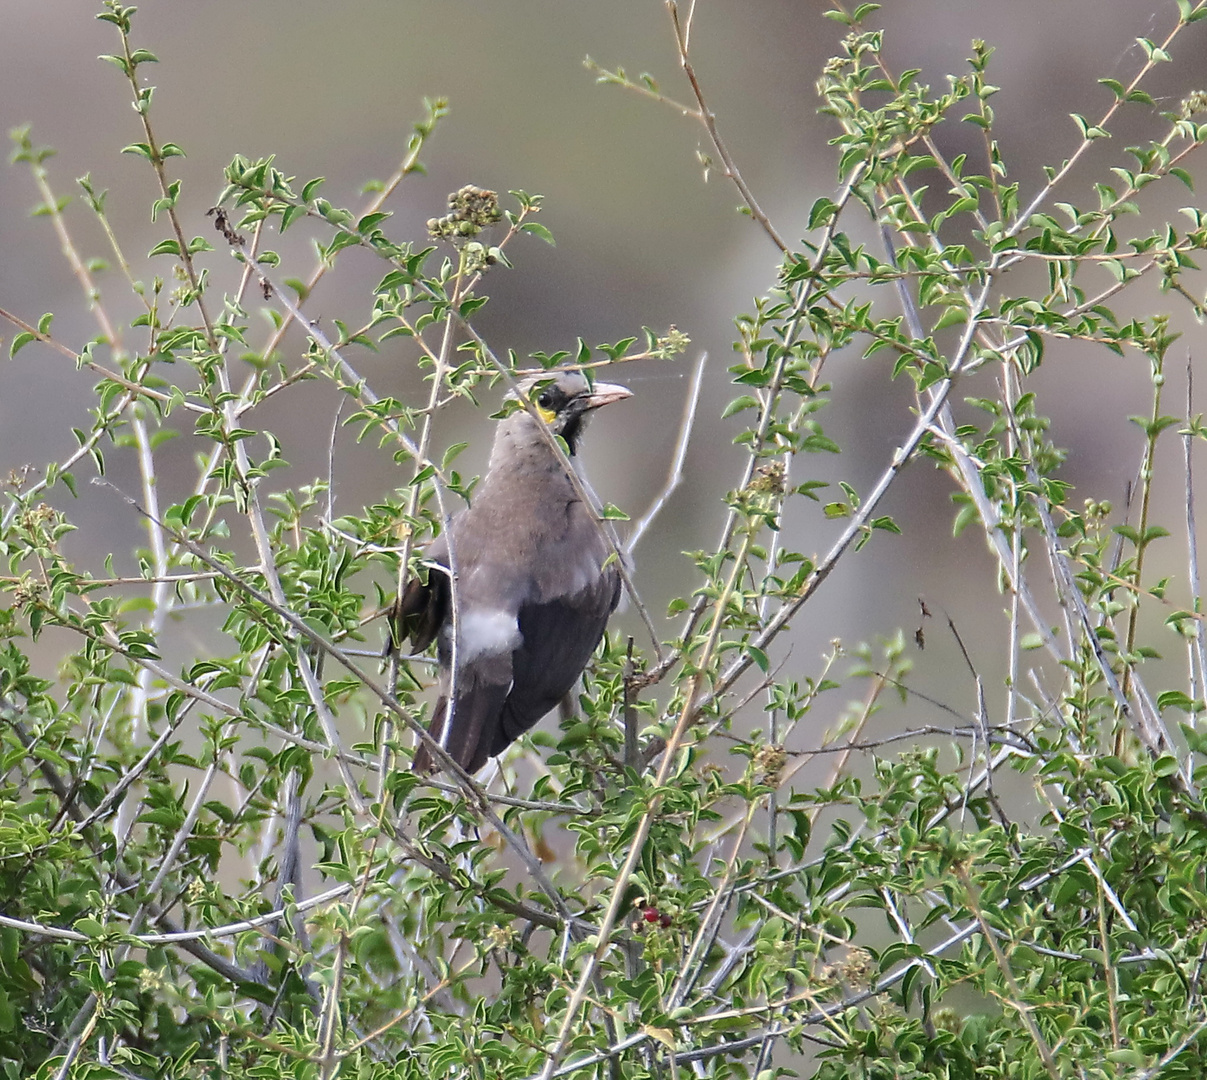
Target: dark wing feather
[558, 640]
[422, 608]
[560, 625]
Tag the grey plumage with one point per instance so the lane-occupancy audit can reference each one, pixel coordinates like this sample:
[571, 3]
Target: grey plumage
[533, 591]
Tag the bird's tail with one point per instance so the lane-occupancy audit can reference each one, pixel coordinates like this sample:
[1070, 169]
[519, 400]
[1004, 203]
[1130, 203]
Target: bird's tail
[481, 694]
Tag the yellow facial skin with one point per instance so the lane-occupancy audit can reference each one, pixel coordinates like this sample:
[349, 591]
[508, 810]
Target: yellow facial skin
[545, 414]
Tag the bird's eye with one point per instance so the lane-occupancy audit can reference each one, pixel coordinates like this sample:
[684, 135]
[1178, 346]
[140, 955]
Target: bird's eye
[544, 401]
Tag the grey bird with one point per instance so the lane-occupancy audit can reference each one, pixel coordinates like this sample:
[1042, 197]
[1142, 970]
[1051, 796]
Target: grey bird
[536, 581]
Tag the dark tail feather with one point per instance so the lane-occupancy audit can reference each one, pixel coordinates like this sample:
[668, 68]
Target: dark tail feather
[476, 720]
[423, 762]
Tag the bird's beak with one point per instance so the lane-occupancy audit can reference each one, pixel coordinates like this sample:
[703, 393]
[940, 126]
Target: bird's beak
[606, 393]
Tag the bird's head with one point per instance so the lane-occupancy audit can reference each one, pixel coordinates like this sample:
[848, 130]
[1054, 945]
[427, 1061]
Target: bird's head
[565, 400]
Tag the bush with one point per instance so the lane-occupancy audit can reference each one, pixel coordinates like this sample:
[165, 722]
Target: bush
[215, 861]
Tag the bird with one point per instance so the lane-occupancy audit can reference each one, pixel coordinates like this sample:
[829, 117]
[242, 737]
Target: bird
[536, 574]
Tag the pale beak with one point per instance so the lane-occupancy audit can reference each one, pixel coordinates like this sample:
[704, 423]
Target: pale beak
[606, 393]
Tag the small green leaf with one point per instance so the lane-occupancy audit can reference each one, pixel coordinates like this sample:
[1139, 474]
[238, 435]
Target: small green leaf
[738, 404]
[822, 211]
[1174, 699]
[118, 62]
[535, 228]
[19, 342]
[953, 316]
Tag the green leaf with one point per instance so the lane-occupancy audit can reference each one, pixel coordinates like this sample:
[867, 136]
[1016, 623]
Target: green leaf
[118, 62]
[1196, 740]
[952, 316]
[19, 342]
[822, 211]
[1089, 131]
[740, 404]
[1174, 699]
[535, 228]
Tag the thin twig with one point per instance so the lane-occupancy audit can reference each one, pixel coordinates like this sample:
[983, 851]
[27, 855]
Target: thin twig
[709, 120]
[1016, 1000]
[675, 476]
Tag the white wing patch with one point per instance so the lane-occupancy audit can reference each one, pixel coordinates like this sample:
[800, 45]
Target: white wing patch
[487, 632]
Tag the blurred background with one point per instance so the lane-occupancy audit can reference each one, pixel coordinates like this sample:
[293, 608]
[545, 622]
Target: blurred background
[643, 239]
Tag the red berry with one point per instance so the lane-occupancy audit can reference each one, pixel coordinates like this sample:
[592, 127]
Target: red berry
[665, 921]
[650, 914]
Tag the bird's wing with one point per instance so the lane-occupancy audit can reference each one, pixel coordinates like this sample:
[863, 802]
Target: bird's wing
[558, 637]
[423, 606]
